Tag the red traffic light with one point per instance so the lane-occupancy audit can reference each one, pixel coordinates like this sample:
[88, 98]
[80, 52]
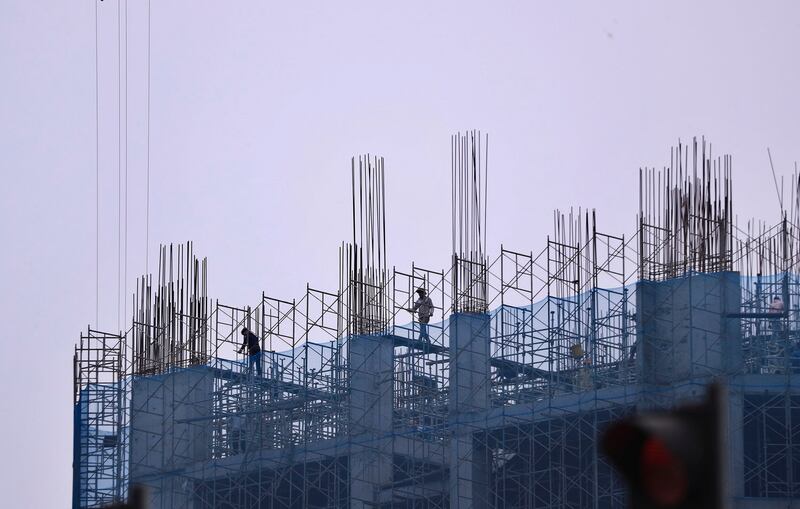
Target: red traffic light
[671, 459]
[664, 476]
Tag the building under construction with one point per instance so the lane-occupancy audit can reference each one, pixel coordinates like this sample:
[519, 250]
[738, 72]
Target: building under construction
[498, 401]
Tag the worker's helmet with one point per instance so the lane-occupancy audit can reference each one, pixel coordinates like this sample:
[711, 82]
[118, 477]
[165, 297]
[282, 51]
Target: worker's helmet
[244, 330]
[421, 291]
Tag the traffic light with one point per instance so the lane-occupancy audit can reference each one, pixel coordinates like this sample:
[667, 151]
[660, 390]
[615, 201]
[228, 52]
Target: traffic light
[671, 459]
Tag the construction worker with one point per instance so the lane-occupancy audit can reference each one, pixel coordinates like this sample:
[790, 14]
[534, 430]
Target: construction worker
[251, 342]
[776, 308]
[424, 309]
[236, 437]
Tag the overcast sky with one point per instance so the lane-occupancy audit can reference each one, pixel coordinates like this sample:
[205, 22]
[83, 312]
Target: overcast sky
[256, 110]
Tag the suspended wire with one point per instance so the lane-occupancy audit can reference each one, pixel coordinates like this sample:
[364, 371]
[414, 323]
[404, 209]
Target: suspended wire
[97, 168]
[125, 244]
[119, 159]
[147, 205]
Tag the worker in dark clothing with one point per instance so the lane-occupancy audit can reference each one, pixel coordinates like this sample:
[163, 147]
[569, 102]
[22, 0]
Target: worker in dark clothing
[424, 309]
[251, 342]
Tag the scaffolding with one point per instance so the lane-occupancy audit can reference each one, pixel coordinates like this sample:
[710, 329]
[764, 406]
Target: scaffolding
[99, 441]
[495, 402]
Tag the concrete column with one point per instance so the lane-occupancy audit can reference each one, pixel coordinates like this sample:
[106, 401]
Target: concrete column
[734, 438]
[683, 328]
[469, 398]
[170, 428]
[686, 334]
[371, 401]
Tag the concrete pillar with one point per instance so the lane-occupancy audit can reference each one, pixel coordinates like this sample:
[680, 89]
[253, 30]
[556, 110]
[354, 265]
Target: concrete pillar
[371, 401]
[469, 398]
[170, 428]
[734, 438]
[683, 328]
[687, 334]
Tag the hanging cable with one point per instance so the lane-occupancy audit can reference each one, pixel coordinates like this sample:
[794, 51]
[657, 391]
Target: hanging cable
[125, 243]
[119, 159]
[147, 206]
[97, 170]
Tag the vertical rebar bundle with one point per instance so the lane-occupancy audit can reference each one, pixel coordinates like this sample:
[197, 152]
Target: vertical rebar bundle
[362, 264]
[685, 214]
[761, 249]
[469, 160]
[170, 318]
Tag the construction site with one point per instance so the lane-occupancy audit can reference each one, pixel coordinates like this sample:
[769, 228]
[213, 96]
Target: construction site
[498, 399]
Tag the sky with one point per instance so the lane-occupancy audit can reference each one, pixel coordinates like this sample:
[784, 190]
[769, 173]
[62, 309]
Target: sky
[256, 108]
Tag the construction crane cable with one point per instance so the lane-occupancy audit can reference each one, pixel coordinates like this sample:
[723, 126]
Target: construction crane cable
[97, 169]
[119, 159]
[125, 243]
[147, 205]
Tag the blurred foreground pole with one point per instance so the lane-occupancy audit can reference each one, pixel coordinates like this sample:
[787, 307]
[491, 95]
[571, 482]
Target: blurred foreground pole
[137, 499]
[672, 459]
